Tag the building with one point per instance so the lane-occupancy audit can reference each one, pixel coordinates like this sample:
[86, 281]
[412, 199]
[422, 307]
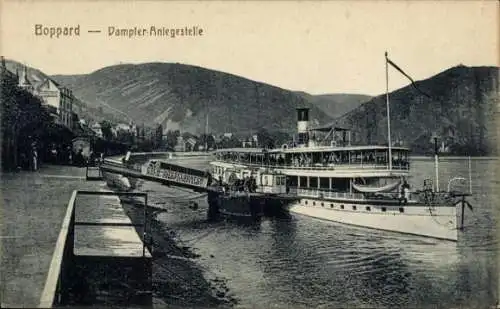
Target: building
[77, 106]
[24, 81]
[82, 143]
[180, 145]
[251, 141]
[6, 74]
[255, 139]
[96, 127]
[56, 98]
[123, 127]
[189, 144]
[186, 144]
[60, 98]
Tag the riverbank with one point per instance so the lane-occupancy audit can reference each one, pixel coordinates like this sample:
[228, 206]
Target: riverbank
[34, 205]
[178, 281]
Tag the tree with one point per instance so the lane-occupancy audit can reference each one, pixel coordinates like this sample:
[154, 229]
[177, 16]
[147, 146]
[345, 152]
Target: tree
[207, 140]
[231, 142]
[172, 136]
[159, 136]
[265, 139]
[106, 126]
[125, 137]
[281, 138]
[23, 119]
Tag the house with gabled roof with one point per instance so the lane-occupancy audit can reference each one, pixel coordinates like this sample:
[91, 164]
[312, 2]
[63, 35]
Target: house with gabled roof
[57, 99]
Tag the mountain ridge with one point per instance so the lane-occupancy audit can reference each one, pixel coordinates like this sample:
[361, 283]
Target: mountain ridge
[336, 104]
[461, 109]
[179, 96]
[460, 112]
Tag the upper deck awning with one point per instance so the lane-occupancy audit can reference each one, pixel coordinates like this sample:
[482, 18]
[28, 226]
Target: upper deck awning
[329, 127]
[246, 150]
[365, 148]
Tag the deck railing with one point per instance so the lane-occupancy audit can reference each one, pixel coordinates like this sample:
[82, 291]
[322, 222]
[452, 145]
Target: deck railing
[325, 193]
[337, 166]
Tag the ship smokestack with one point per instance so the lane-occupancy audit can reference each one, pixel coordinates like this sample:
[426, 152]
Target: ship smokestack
[303, 125]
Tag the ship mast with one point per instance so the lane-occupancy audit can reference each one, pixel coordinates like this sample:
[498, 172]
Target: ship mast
[388, 110]
[206, 127]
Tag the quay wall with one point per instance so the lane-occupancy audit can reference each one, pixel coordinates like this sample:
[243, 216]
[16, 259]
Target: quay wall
[105, 268]
[60, 272]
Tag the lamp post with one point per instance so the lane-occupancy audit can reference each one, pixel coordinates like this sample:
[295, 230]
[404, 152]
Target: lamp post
[436, 160]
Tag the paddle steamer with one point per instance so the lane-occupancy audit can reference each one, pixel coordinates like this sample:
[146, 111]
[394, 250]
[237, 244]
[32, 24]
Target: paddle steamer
[333, 179]
[352, 184]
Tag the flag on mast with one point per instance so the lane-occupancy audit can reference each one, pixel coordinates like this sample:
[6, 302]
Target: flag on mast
[407, 76]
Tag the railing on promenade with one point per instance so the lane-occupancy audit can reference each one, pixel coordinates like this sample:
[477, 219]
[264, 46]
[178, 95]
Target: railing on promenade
[61, 265]
[93, 167]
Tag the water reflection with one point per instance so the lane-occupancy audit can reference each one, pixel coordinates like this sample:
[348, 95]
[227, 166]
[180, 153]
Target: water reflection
[340, 266]
[299, 261]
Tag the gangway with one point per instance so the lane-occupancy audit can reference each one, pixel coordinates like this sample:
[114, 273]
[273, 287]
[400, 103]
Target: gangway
[162, 172]
[170, 174]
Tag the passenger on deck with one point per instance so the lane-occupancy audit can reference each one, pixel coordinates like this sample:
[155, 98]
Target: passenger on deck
[210, 177]
[281, 161]
[405, 191]
[253, 185]
[246, 187]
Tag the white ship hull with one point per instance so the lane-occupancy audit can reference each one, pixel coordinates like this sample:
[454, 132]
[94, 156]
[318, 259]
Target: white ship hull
[434, 222]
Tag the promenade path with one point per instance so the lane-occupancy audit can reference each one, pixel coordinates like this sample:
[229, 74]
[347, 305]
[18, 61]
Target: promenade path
[32, 208]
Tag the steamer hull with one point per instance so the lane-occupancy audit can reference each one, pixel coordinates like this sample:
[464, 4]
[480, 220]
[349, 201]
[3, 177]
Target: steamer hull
[241, 206]
[359, 185]
[434, 222]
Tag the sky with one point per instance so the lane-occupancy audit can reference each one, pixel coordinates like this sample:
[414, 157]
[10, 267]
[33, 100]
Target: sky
[313, 46]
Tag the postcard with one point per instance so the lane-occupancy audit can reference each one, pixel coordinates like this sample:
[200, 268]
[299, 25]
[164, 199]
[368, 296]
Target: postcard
[249, 154]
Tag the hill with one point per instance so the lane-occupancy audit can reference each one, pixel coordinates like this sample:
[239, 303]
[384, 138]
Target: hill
[180, 96]
[461, 110]
[336, 105]
[94, 112]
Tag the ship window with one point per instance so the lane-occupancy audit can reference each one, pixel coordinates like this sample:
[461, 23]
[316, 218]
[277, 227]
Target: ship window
[383, 209]
[322, 204]
[331, 205]
[313, 182]
[341, 206]
[401, 209]
[303, 181]
[305, 202]
[353, 207]
[314, 203]
[368, 208]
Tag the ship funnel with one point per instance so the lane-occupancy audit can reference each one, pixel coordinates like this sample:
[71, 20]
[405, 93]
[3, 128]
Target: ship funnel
[303, 125]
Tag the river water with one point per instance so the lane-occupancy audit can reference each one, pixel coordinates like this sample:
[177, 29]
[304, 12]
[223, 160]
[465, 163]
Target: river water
[304, 262]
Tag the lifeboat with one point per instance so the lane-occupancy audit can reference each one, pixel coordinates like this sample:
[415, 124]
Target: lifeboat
[372, 189]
